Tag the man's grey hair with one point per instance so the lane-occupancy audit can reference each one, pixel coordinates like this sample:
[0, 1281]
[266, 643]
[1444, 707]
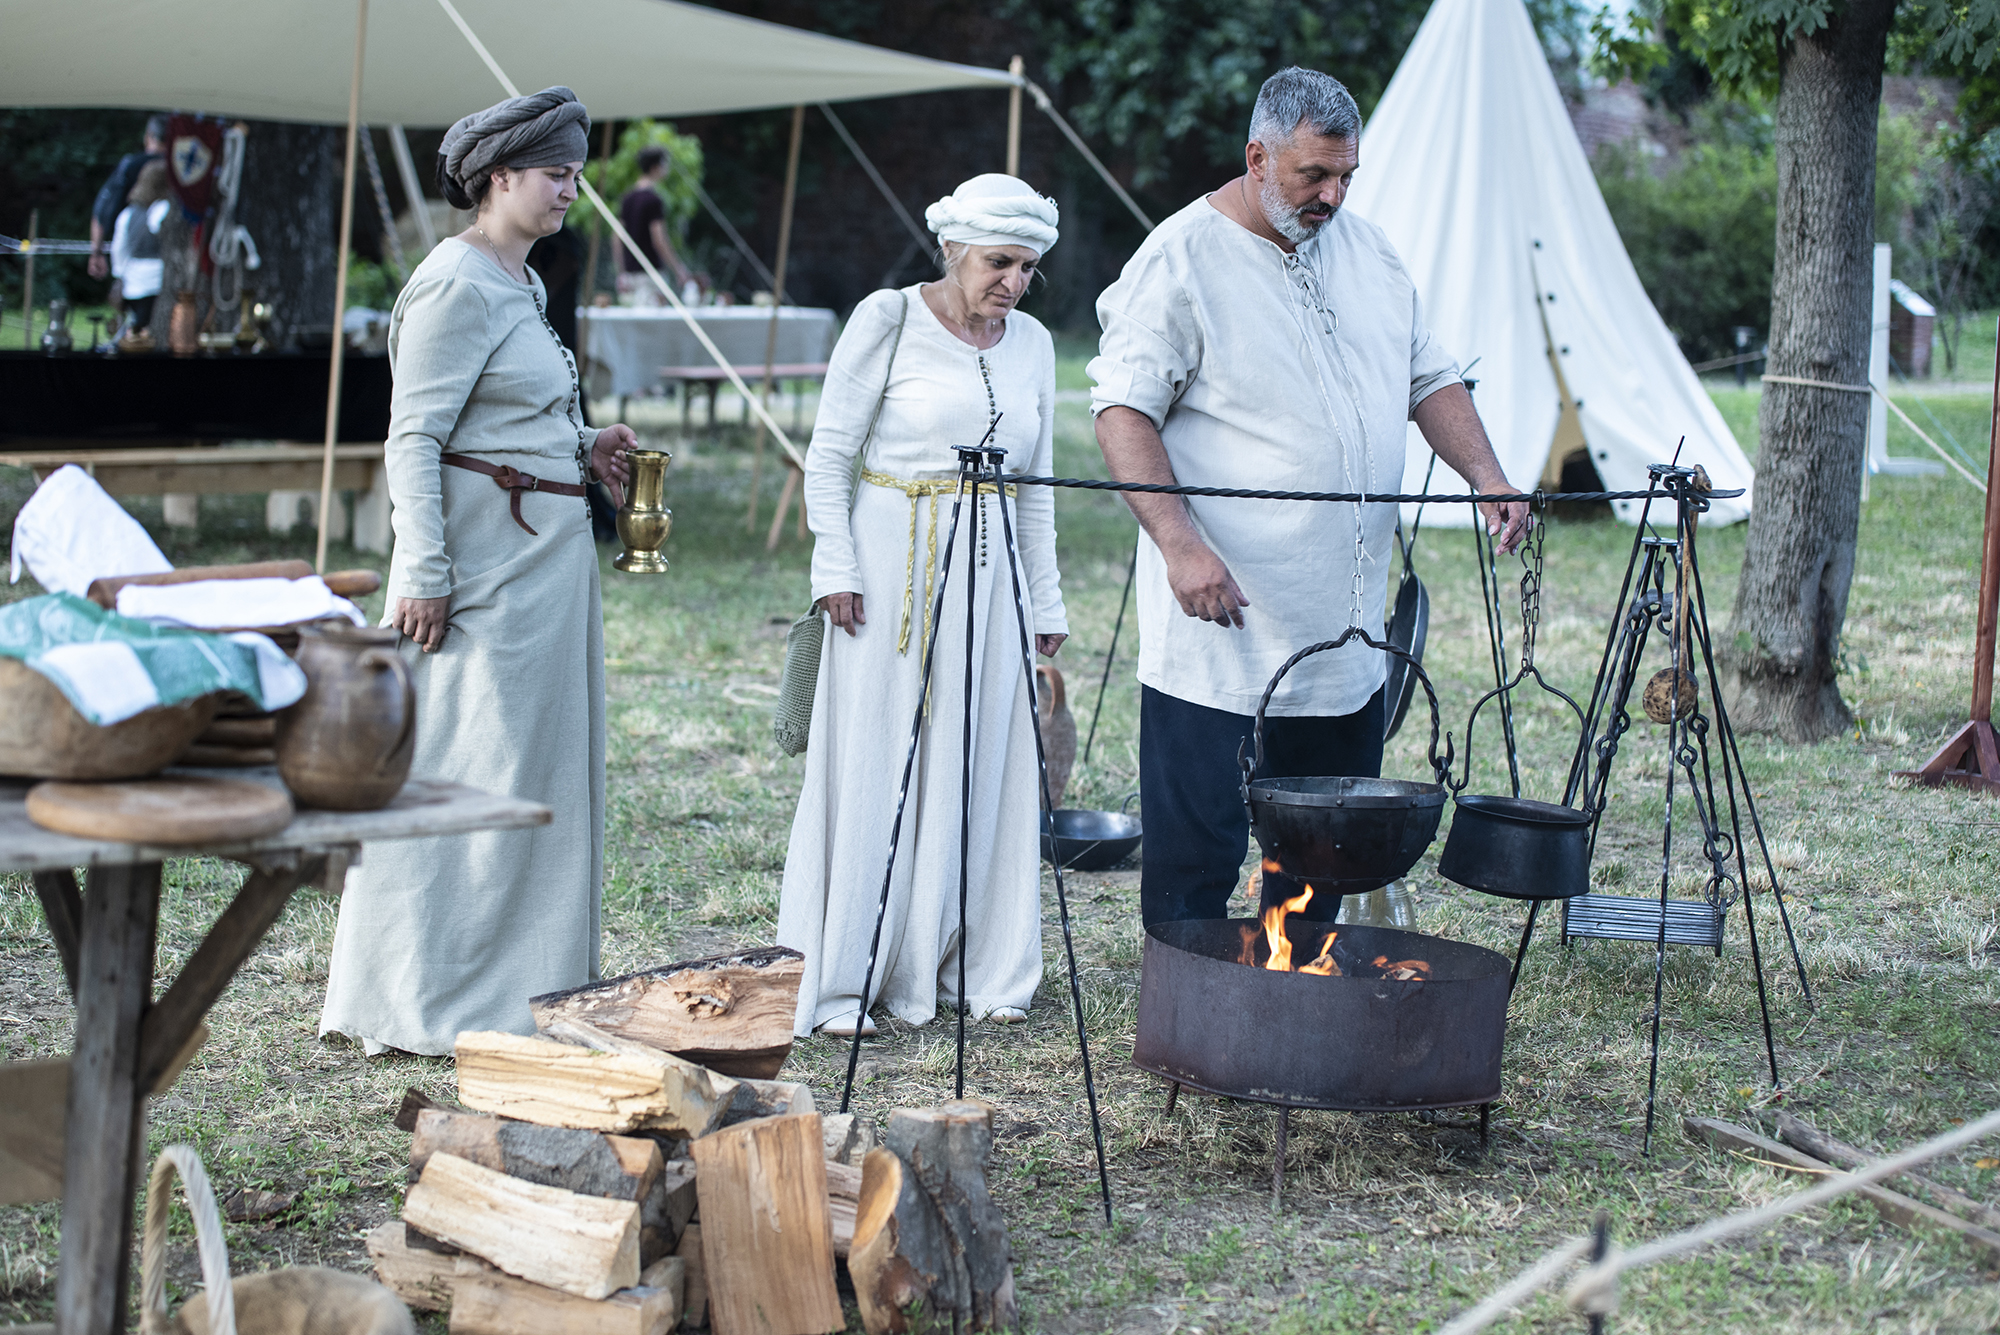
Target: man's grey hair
[1297, 97]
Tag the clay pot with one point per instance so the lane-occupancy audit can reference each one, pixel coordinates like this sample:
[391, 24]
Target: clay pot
[346, 744]
[1058, 731]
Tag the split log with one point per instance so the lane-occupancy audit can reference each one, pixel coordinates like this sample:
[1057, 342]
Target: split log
[668, 1273]
[731, 1013]
[947, 1148]
[486, 1303]
[1892, 1206]
[1802, 1135]
[420, 1278]
[902, 1262]
[675, 1195]
[559, 1084]
[414, 1102]
[694, 1288]
[768, 1098]
[847, 1138]
[843, 1192]
[620, 1168]
[767, 1238]
[580, 1244]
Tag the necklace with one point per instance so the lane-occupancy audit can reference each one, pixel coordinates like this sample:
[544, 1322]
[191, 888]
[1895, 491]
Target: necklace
[496, 254]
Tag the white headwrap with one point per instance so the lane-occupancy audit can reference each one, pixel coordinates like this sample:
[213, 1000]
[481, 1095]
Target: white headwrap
[995, 210]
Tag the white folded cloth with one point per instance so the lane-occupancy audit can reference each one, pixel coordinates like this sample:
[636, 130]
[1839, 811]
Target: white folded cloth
[71, 532]
[210, 604]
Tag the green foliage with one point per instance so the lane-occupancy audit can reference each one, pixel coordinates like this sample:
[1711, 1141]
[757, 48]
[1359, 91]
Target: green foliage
[1702, 234]
[370, 285]
[615, 175]
[55, 161]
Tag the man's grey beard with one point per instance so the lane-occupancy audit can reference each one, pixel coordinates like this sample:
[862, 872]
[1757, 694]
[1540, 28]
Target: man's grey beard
[1286, 221]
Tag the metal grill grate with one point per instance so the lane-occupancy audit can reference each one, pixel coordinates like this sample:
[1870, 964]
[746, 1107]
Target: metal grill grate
[1690, 922]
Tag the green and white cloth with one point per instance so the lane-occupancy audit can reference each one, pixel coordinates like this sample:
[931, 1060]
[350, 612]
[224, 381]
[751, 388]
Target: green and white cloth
[112, 667]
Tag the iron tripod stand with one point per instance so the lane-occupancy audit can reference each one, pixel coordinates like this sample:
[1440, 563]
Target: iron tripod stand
[1681, 613]
[978, 475]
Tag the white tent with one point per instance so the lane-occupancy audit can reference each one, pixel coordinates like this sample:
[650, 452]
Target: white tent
[290, 59]
[1471, 166]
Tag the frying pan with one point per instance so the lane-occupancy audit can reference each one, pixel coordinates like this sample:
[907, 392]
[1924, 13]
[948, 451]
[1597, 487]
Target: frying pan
[1408, 626]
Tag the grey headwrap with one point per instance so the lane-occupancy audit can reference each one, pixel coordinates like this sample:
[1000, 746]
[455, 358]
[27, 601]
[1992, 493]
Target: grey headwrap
[538, 130]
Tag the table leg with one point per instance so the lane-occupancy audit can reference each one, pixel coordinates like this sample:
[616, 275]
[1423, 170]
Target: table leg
[63, 907]
[106, 1100]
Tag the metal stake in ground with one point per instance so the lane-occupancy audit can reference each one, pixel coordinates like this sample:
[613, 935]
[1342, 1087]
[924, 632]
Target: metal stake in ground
[1109, 654]
[903, 792]
[1055, 864]
[969, 460]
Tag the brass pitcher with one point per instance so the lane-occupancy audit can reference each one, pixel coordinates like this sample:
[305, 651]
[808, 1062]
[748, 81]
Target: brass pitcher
[346, 745]
[644, 521]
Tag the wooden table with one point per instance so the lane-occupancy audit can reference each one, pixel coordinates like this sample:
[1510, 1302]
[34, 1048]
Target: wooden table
[128, 1042]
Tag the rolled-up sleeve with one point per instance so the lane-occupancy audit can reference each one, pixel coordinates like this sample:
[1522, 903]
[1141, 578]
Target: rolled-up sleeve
[1151, 348]
[1431, 367]
[856, 377]
[438, 348]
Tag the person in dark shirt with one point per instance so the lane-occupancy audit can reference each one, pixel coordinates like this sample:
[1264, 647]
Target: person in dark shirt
[644, 214]
[117, 188]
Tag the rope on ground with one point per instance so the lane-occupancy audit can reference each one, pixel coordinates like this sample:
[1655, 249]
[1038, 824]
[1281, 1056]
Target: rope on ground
[632, 247]
[1596, 1289]
[1350, 497]
[1900, 414]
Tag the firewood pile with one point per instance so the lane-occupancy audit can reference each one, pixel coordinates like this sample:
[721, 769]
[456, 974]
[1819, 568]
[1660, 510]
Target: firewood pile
[634, 1168]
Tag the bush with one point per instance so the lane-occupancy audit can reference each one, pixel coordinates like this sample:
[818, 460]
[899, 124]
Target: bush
[1701, 234]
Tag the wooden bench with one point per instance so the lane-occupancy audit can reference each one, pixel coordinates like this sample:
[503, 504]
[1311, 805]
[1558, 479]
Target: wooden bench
[711, 376]
[288, 473]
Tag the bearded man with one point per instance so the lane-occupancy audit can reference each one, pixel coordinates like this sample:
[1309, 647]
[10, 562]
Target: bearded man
[1261, 337]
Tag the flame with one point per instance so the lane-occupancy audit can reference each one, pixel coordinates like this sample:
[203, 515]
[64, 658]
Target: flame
[1271, 864]
[1248, 955]
[1403, 971]
[1274, 930]
[1324, 965]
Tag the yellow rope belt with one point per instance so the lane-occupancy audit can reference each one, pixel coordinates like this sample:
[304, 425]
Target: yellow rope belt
[933, 488]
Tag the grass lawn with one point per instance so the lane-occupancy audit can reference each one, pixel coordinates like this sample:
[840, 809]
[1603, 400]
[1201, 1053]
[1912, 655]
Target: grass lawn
[1389, 1222]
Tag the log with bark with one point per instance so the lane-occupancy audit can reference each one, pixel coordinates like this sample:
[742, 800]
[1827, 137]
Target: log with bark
[585, 1245]
[928, 1238]
[847, 1138]
[624, 1168]
[731, 1013]
[560, 1084]
[420, 1277]
[767, 1237]
[843, 1193]
[694, 1287]
[1802, 1135]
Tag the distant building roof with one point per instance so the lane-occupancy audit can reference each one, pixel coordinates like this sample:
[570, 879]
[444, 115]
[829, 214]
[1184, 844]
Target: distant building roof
[1907, 298]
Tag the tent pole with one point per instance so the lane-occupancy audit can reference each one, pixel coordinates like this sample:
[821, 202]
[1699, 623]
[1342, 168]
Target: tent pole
[340, 281]
[777, 302]
[413, 190]
[28, 282]
[1014, 67]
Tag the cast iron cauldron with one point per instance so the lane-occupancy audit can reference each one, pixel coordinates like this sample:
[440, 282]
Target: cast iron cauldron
[1090, 840]
[1345, 834]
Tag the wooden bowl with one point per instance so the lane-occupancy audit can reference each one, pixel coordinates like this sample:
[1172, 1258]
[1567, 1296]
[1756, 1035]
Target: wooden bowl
[43, 737]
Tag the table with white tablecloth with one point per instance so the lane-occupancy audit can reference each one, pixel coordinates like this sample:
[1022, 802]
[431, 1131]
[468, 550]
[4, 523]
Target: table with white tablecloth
[628, 346]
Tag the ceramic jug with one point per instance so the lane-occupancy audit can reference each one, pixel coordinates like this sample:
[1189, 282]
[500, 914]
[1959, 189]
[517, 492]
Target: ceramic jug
[346, 744]
[1058, 731]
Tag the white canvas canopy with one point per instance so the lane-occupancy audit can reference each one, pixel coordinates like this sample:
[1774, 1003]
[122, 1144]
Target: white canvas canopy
[1471, 166]
[290, 59]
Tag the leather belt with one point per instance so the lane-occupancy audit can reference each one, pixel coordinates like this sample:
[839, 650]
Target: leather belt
[512, 481]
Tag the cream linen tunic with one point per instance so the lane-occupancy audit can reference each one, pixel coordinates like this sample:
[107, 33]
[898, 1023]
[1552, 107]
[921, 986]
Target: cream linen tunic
[442, 935]
[1286, 373]
[868, 687]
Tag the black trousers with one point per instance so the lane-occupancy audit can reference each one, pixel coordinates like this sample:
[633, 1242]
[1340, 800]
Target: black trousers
[1192, 806]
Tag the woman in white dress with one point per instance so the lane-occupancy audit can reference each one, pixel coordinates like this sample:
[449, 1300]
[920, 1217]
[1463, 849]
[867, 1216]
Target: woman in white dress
[915, 373]
[494, 588]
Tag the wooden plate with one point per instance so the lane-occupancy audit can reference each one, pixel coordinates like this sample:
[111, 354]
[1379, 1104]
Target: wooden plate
[161, 811]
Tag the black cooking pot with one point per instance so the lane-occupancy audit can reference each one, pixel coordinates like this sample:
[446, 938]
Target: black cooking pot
[1344, 834]
[1517, 847]
[1090, 840]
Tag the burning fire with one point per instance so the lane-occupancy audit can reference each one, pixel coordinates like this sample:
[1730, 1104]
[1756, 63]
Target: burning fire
[1279, 945]
[1274, 930]
[1403, 970]
[1324, 965]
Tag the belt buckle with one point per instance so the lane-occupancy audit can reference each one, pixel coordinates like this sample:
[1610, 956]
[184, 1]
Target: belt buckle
[529, 481]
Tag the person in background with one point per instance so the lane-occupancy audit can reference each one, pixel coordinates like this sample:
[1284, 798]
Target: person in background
[494, 587]
[644, 214]
[135, 246]
[117, 189]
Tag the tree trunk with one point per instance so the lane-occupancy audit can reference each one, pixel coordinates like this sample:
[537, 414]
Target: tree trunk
[291, 204]
[1791, 600]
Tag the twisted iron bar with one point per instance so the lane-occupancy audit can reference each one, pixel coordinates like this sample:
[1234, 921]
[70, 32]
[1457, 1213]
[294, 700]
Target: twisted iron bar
[1350, 497]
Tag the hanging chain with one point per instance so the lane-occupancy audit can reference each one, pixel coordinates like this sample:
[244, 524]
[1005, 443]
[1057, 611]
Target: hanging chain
[1531, 589]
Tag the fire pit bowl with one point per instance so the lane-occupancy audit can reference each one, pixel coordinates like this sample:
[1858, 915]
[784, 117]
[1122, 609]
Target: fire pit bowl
[1298, 1040]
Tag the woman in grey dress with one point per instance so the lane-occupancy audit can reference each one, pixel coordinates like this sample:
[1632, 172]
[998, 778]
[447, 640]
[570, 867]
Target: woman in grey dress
[494, 587]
